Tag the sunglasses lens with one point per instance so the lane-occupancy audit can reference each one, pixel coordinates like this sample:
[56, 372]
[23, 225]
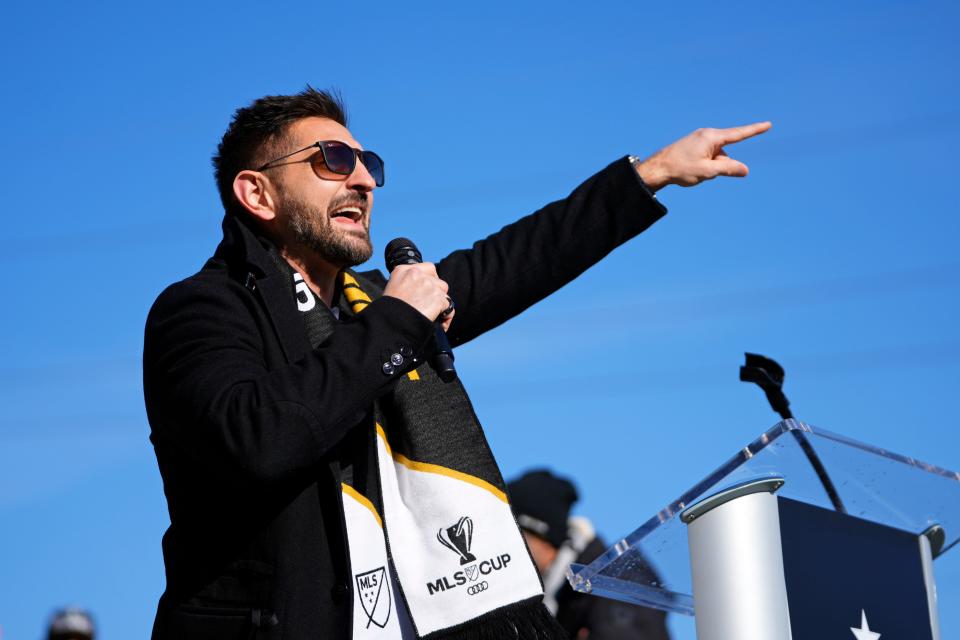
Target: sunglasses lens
[374, 165]
[339, 158]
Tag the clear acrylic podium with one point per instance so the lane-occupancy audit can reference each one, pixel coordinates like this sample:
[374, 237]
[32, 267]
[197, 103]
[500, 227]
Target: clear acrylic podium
[799, 522]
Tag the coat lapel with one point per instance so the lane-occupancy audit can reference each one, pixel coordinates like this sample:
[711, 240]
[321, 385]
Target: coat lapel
[282, 309]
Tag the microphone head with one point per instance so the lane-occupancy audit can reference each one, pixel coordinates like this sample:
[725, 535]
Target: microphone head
[401, 251]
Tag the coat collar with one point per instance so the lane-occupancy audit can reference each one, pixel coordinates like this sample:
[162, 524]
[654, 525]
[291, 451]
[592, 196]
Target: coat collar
[242, 245]
[249, 262]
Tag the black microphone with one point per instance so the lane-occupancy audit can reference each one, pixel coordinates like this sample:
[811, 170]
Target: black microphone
[403, 251]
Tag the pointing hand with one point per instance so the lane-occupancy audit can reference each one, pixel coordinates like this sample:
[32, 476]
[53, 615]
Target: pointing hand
[698, 157]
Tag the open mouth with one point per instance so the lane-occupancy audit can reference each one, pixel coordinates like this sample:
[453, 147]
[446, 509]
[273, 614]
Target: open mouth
[351, 215]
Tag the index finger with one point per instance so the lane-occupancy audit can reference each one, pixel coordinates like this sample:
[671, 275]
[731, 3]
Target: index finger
[736, 134]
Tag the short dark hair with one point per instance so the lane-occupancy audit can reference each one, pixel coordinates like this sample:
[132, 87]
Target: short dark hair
[256, 131]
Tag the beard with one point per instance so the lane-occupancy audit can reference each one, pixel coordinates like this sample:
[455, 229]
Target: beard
[315, 230]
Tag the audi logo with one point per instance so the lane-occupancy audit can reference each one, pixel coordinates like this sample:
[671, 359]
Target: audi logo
[474, 589]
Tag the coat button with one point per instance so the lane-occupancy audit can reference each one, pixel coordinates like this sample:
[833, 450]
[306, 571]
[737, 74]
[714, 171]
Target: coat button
[396, 359]
[339, 592]
[388, 368]
[406, 351]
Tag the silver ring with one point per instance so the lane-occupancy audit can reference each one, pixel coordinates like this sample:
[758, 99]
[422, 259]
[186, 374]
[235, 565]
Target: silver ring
[449, 309]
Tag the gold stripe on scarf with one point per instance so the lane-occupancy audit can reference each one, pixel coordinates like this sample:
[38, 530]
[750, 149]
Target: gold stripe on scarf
[426, 467]
[362, 499]
[353, 293]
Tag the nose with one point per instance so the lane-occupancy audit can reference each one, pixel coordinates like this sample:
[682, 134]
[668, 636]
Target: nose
[360, 179]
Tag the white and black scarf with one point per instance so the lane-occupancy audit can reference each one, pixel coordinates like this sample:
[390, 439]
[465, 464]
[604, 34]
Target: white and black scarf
[434, 547]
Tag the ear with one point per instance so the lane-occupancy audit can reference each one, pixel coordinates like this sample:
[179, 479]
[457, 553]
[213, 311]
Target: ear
[251, 189]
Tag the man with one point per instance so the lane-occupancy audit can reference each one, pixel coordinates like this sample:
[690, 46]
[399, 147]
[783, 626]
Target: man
[542, 502]
[321, 480]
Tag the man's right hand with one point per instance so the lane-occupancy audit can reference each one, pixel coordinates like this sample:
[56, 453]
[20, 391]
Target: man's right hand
[419, 286]
[698, 157]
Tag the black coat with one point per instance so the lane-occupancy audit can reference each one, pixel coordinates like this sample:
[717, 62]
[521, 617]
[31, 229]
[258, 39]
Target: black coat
[587, 616]
[246, 419]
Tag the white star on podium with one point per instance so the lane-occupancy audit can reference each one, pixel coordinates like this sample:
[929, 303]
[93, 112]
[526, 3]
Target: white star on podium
[864, 633]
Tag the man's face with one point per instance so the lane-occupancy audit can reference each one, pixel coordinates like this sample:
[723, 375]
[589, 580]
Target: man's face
[325, 213]
[542, 551]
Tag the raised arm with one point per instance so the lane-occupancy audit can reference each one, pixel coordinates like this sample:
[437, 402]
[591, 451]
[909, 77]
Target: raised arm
[524, 262]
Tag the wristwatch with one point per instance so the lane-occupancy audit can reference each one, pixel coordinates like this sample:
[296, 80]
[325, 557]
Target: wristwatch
[635, 161]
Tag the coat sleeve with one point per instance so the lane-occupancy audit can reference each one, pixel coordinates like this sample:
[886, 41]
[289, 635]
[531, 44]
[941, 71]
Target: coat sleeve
[210, 394]
[526, 261]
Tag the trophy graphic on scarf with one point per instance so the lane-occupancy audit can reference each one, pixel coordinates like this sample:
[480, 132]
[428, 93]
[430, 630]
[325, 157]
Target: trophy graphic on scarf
[458, 539]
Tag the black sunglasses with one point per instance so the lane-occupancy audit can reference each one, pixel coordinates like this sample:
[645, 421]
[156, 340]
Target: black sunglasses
[339, 158]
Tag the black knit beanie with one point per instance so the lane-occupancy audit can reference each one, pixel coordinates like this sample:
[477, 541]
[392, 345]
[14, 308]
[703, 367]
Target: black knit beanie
[542, 502]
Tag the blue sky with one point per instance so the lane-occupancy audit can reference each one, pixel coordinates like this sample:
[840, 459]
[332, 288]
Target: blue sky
[836, 256]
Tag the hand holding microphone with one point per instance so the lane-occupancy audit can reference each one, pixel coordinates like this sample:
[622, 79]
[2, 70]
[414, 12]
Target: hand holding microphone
[419, 286]
[417, 283]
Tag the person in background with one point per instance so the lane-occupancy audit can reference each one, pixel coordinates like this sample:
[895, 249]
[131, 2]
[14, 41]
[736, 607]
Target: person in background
[542, 503]
[71, 623]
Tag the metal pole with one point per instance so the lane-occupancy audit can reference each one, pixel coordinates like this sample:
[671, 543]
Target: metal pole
[926, 557]
[739, 591]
